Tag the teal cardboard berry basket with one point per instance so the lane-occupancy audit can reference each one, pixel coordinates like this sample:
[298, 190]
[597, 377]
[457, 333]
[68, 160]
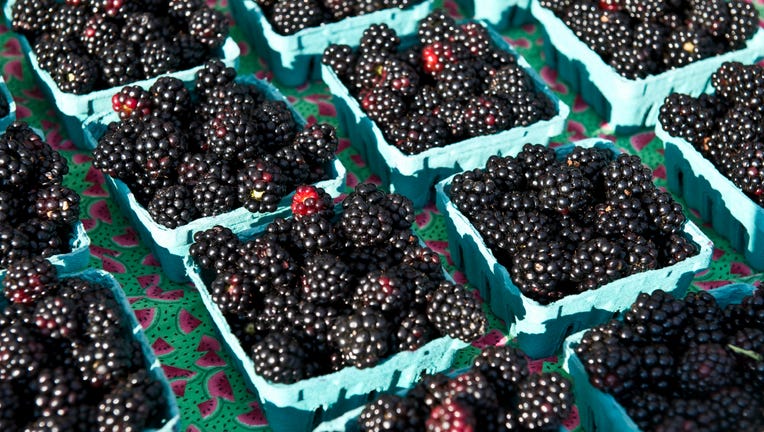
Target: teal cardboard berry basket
[414, 175]
[305, 404]
[171, 413]
[170, 245]
[627, 104]
[541, 329]
[600, 411]
[294, 59]
[73, 109]
[719, 201]
[5, 93]
[502, 14]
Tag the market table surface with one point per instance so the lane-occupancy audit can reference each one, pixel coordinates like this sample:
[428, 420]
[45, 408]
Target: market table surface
[211, 393]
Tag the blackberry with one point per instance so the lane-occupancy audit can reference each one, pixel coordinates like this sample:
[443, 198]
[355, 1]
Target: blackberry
[340, 58]
[545, 400]
[209, 27]
[31, 17]
[193, 167]
[564, 189]
[641, 253]
[597, 262]
[425, 261]
[104, 319]
[383, 106]
[608, 361]
[159, 147]
[14, 245]
[457, 82]
[314, 233]
[142, 27]
[414, 134]
[751, 341]
[59, 390]
[173, 206]
[231, 135]
[540, 271]
[687, 414]
[289, 17]
[134, 405]
[665, 213]
[235, 97]
[535, 159]
[683, 116]
[749, 313]
[712, 15]
[158, 57]
[68, 20]
[309, 200]
[529, 108]
[392, 413]
[49, 47]
[510, 81]
[486, 115]
[705, 368]
[58, 204]
[505, 368]
[260, 186]
[275, 124]
[277, 314]
[132, 101]
[318, 142]
[455, 312]
[657, 317]
[383, 291]
[182, 10]
[215, 249]
[268, 263]
[76, 74]
[737, 409]
[212, 196]
[453, 114]
[744, 22]
[451, 416]
[674, 248]
[625, 214]
[748, 171]
[646, 409]
[365, 219]
[234, 293]
[99, 32]
[28, 279]
[626, 176]
[413, 332]
[686, 45]
[474, 390]
[472, 191]
[339, 9]
[103, 363]
[657, 370]
[326, 279]
[170, 95]
[213, 74]
[22, 353]
[400, 77]
[437, 26]
[379, 39]
[293, 164]
[633, 62]
[361, 337]
[738, 126]
[529, 228]
[57, 317]
[115, 154]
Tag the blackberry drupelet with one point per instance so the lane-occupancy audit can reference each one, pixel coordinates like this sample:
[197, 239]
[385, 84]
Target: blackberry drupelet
[173, 206]
[545, 400]
[361, 337]
[455, 312]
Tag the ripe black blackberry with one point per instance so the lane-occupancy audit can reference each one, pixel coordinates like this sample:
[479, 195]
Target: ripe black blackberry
[564, 189]
[505, 368]
[314, 233]
[59, 390]
[705, 368]
[457, 82]
[104, 363]
[413, 332]
[275, 124]
[625, 214]
[633, 62]
[472, 191]
[665, 213]
[626, 176]
[361, 337]
[31, 17]
[437, 26]
[455, 312]
[209, 27]
[317, 142]
[486, 115]
[159, 147]
[28, 279]
[214, 73]
[135, 405]
[170, 95]
[49, 47]
[608, 361]
[535, 159]
[230, 135]
[531, 107]
[657, 368]
[674, 248]
[365, 219]
[260, 186]
[235, 293]
[682, 115]
[383, 291]
[510, 81]
[76, 74]
[158, 57]
[67, 20]
[268, 264]
[379, 39]
[540, 271]
[392, 413]
[22, 353]
[747, 172]
[743, 23]
[173, 206]
[751, 340]
[641, 253]
[383, 106]
[326, 279]
[216, 248]
[142, 27]
[400, 77]
[58, 317]
[289, 16]
[99, 32]
[686, 45]
[646, 409]
[340, 58]
[597, 262]
[737, 408]
[414, 134]
[657, 317]
[545, 400]
[213, 196]
[58, 204]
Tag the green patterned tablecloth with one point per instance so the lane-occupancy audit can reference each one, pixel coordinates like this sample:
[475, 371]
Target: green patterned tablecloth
[210, 392]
